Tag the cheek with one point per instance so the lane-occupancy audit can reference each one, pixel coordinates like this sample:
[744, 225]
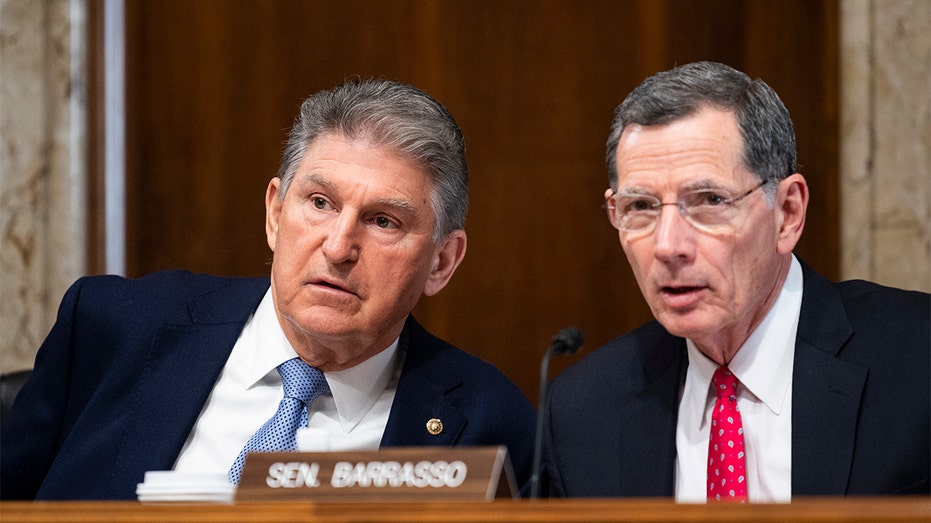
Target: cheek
[294, 252]
[632, 260]
[297, 234]
[749, 267]
[638, 256]
[413, 266]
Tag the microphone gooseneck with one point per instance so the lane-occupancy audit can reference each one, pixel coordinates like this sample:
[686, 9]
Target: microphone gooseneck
[566, 341]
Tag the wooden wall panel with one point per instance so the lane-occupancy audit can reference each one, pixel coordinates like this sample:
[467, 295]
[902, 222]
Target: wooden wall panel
[213, 86]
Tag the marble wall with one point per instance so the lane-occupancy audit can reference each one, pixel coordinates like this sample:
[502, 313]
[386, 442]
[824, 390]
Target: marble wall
[885, 155]
[42, 173]
[886, 141]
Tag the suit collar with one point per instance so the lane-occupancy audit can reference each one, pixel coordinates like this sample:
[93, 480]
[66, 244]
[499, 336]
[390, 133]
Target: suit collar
[231, 302]
[823, 321]
[647, 466]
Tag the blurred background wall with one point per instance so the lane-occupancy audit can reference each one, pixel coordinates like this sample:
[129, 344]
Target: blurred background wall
[139, 135]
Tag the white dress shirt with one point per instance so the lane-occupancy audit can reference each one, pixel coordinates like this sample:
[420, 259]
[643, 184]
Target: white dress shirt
[354, 413]
[764, 396]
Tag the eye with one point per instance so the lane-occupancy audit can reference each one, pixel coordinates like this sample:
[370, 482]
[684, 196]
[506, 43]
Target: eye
[707, 198]
[635, 204]
[640, 205]
[320, 202]
[383, 222]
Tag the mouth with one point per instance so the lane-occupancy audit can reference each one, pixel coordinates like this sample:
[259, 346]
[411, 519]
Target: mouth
[675, 291]
[327, 284]
[681, 297]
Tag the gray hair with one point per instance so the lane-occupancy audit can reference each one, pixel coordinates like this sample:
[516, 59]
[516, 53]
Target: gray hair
[394, 115]
[764, 122]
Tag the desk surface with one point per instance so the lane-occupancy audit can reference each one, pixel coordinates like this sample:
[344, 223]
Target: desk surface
[562, 510]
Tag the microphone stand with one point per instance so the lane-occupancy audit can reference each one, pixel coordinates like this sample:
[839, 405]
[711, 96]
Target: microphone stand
[566, 341]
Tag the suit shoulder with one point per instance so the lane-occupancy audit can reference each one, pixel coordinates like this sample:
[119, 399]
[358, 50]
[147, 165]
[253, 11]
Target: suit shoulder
[644, 365]
[162, 285]
[628, 353]
[887, 308]
[152, 295]
[172, 281]
[884, 329]
[866, 294]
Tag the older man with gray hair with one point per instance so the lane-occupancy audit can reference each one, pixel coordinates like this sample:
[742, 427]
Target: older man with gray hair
[186, 372]
[759, 380]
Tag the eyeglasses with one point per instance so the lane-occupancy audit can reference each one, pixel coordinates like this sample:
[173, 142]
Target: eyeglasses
[711, 210]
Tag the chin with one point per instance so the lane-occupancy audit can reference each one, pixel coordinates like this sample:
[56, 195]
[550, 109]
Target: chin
[684, 327]
[316, 323]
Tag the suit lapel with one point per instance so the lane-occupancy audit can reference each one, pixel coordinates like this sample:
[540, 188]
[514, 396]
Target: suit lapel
[422, 396]
[182, 367]
[826, 393]
[647, 447]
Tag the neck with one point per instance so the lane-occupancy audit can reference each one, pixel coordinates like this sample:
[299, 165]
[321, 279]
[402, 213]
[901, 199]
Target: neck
[723, 345]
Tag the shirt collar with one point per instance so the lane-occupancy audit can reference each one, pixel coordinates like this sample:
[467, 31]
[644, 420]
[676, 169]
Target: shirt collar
[355, 390]
[268, 344]
[764, 362]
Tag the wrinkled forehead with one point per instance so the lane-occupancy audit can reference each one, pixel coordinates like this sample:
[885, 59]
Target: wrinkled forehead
[704, 149]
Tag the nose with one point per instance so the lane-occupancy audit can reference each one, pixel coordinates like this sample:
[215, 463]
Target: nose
[342, 243]
[673, 236]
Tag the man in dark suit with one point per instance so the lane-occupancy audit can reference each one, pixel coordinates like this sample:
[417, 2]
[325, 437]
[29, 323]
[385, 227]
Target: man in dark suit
[177, 371]
[824, 388]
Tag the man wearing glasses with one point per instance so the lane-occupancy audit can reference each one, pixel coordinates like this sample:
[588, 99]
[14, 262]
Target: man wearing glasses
[759, 380]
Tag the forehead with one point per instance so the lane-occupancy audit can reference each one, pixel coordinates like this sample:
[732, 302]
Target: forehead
[705, 148]
[355, 163]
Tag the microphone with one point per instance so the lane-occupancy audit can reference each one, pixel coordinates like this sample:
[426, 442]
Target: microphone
[566, 341]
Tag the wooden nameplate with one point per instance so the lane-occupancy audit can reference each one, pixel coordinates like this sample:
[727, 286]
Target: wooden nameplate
[409, 474]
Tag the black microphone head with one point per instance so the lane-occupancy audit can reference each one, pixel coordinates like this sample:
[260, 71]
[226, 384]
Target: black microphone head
[567, 341]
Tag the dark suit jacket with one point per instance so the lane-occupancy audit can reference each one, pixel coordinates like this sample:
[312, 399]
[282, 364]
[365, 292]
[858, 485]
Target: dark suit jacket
[125, 371]
[860, 402]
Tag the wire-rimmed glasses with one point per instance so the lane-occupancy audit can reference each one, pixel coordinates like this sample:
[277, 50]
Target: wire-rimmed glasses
[714, 211]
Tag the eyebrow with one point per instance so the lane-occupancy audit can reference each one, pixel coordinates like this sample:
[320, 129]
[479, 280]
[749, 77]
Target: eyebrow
[314, 179]
[399, 204]
[633, 190]
[402, 205]
[703, 184]
[692, 186]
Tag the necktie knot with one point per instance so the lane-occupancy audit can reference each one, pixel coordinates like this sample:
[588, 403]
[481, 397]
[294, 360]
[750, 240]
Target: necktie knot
[300, 381]
[725, 383]
[301, 384]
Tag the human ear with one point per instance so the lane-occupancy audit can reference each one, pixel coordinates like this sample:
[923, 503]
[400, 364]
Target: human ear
[792, 204]
[446, 259]
[272, 212]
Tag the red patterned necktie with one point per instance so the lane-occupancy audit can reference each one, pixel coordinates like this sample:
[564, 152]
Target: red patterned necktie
[726, 471]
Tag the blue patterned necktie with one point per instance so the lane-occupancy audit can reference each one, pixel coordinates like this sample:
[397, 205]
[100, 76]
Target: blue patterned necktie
[302, 383]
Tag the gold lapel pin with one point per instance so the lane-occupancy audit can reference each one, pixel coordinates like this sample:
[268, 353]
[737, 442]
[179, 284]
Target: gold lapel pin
[434, 426]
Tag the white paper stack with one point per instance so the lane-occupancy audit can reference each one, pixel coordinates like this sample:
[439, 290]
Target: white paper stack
[164, 486]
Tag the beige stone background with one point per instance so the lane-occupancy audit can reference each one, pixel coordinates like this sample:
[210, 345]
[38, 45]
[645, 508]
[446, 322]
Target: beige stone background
[885, 165]
[885, 155]
[42, 148]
